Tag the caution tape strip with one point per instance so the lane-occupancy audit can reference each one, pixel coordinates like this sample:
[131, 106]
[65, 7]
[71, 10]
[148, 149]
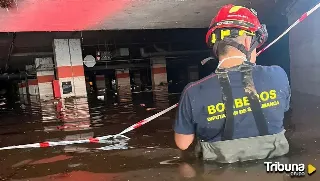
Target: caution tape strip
[303, 17]
[101, 139]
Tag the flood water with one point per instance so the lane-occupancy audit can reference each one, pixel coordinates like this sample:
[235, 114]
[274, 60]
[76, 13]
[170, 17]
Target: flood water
[150, 154]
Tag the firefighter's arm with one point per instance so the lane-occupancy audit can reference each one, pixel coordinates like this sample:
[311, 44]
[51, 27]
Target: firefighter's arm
[184, 126]
[183, 141]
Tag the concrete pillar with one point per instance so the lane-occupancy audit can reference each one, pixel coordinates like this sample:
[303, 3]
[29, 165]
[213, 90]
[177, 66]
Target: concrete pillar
[100, 82]
[33, 88]
[24, 87]
[193, 73]
[123, 78]
[123, 85]
[20, 86]
[74, 113]
[137, 78]
[23, 92]
[45, 76]
[158, 71]
[136, 81]
[35, 101]
[48, 114]
[30, 85]
[159, 81]
[69, 67]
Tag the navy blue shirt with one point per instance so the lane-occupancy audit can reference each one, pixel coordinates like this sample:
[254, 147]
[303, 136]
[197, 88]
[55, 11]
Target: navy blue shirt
[202, 112]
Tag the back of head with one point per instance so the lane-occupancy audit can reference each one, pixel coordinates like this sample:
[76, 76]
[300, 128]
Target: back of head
[224, 50]
[236, 31]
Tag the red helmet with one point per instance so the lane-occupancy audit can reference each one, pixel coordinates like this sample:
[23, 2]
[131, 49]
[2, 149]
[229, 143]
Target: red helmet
[236, 17]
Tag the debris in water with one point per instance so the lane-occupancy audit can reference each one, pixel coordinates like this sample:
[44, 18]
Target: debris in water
[143, 105]
[74, 165]
[100, 97]
[150, 109]
[23, 106]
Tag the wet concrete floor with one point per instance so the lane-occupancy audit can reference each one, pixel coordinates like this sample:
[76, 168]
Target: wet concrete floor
[150, 154]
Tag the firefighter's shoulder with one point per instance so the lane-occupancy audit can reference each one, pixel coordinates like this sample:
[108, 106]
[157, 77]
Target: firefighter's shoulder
[273, 70]
[209, 80]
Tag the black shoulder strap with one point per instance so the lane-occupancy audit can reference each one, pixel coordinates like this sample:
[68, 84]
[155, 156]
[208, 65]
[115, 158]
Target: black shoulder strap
[227, 98]
[251, 93]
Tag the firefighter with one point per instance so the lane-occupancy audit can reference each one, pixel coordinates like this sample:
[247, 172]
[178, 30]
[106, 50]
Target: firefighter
[235, 114]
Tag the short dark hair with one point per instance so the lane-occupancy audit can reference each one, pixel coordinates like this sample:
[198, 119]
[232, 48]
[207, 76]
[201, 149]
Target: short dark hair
[223, 48]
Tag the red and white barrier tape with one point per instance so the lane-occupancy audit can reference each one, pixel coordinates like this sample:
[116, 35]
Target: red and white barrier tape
[303, 17]
[101, 139]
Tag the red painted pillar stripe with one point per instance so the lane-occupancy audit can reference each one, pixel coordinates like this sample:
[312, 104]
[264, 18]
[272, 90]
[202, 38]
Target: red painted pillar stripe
[100, 78]
[70, 71]
[45, 78]
[159, 70]
[56, 89]
[122, 75]
[32, 82]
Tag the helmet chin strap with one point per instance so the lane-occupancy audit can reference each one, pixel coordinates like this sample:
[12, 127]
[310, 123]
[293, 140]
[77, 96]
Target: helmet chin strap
[232, 57]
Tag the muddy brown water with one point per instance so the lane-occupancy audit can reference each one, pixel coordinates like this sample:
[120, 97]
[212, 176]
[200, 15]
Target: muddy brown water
[150, 154]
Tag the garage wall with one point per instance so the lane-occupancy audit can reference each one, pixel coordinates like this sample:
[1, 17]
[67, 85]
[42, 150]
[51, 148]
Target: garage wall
[304, 45]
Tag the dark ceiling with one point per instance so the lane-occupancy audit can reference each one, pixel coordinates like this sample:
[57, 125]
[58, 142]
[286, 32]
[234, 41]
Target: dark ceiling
[77, 15]
[156, 16]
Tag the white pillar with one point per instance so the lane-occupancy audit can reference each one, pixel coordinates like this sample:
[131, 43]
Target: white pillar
[45, 76]
[100, 82]
[33, 88]
[31, 84]
[69, 67]
[158, 71]
[123, 78]
[74, 113]
[20, 86]
[124, 86]
[24, 87]
[159, 81]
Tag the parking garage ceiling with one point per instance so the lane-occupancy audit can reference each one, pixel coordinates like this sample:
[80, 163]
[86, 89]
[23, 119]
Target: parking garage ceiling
[71, 15]
[76, 15]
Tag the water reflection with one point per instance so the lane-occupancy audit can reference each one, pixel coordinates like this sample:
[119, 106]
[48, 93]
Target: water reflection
[73, 114]
[150, 154]
[77, 148]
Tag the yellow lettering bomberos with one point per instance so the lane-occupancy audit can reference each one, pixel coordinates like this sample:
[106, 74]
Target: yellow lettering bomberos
[264, 97]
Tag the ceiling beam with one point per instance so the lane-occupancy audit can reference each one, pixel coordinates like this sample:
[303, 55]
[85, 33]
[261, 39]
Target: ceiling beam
[119, 66]
[32, 54]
